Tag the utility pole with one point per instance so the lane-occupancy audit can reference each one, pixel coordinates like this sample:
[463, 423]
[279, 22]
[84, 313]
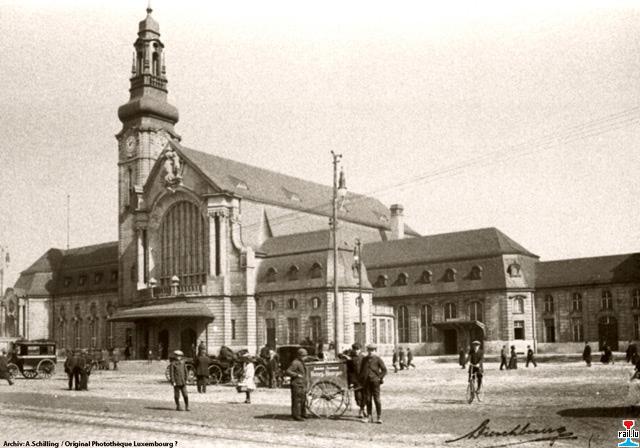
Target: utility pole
[339, 192]
[361, 335]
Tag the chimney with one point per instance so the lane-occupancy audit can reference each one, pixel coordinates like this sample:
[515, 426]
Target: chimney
[397, 222]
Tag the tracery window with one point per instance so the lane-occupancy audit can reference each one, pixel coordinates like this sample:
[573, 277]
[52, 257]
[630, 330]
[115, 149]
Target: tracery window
[183, 240]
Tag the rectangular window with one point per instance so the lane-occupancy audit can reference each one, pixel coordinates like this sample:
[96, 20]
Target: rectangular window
[577, 330]
[292, 330]
[549, 330]
[316, 328]
[374, 331]
[383, 331]
[233, 328]
[390, 337]
[359, 331]
[518, 329]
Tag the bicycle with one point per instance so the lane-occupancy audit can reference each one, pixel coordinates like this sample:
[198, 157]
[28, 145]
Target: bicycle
[472, 387]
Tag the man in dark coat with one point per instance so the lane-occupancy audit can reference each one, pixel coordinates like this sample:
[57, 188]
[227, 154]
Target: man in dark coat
[297, 371]
[372, 373]
[503, 358]
[530, 357]
[631, 351]
[4, 368]
[476, 359]
[394, 360]
[410, 358]
[84, 369]
[201, 363]
[401, 359]
[265, 355]
[178, 377]
[70, 365]
[355, 362]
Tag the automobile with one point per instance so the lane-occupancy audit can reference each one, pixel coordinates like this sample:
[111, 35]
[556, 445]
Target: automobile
[33, 359]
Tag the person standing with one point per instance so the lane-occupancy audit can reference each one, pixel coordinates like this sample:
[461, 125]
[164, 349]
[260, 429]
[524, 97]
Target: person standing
[476, 358]
[84, 368]
[401, 359]
[178, 376]
[530, 357]
[372, 373]
[513, 360]
[4, 368]
[115, 356]
[201, 363]
[586, 354]
[127, 353]
[70, 365]
[503, 358]
[394, 360]
[248, 383]
[355, 361]
[410, 359]
[265, 356]
[462, 358]
[275, 379]
[201, 346]
[297, 371]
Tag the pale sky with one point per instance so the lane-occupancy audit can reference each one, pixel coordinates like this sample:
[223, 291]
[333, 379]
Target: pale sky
[453, 102]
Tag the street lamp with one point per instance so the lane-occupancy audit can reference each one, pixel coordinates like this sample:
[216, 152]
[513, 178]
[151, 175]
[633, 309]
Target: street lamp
[339, 194]
[359, 300]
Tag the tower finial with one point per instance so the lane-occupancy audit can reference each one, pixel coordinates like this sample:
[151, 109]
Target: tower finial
[149, 10]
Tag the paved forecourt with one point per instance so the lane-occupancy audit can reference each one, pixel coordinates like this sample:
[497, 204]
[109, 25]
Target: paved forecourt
[566, 403]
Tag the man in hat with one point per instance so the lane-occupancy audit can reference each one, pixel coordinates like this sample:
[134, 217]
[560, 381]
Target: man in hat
[372, 373]
[297, 371]
[178, 376]
[70, 367]
[476, 358]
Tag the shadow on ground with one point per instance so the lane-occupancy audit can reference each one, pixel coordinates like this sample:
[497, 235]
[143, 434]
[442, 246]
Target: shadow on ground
[612, 412]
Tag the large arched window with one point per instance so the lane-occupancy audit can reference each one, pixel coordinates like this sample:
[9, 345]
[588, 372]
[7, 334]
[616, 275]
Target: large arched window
[450, 311]
[403, 324]
[183, 240]
[426, 319]
[475, 311]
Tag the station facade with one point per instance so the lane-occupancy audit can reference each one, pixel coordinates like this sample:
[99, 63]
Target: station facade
[222, 252]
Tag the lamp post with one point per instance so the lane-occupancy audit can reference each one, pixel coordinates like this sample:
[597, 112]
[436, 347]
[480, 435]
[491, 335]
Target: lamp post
[359, 300]
[339, 192]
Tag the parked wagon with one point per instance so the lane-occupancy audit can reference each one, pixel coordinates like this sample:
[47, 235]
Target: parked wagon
[33, 359]
[328, 393]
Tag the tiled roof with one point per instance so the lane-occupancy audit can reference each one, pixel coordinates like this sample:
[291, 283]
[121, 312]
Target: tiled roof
[291, 192]
[88, 256]
[588, 271]
[469, 244]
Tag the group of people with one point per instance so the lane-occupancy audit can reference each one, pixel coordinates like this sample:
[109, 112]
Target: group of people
[77, 366]
[607, 354]
[365, 375]
[402, 358]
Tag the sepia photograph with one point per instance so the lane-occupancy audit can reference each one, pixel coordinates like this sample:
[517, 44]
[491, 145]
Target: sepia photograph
[321, 224]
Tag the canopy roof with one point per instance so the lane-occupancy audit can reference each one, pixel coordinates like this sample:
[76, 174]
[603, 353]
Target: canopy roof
[174, 309]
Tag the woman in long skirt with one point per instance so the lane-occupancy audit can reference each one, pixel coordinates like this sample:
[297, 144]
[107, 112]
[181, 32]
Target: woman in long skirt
[513, 360]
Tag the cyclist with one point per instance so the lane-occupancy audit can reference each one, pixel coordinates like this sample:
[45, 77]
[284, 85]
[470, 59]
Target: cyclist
[476, 356]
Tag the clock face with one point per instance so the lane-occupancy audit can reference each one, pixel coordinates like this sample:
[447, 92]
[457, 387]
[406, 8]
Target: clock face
[130, 144]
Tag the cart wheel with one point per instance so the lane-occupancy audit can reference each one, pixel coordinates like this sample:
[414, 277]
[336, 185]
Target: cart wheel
[29, 374]
[46, 368]
[261, 376]
[327, 399]
[167, 373]
[13, 370]
[191, 375]
[215, 374]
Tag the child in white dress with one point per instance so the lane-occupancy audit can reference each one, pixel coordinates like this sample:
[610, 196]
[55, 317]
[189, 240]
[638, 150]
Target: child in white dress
[248, 383]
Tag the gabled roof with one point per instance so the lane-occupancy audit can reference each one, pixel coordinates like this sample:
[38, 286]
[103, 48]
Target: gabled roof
[588, 271]
[291, 192]
[467, 244]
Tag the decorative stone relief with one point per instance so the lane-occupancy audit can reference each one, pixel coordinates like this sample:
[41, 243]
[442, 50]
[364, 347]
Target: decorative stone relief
[173, 170]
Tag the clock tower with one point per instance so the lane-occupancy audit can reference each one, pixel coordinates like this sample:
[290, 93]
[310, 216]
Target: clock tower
[147, 124]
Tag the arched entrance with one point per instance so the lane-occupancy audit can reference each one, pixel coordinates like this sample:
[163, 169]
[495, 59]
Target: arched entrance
[188, 339]
[163, 344]
[608, 332]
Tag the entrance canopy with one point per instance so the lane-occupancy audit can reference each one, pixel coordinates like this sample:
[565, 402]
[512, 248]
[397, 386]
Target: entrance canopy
[167, 310]
[455, 324]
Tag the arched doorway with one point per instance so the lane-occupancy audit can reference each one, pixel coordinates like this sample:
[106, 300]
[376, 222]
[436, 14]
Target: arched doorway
[188, 339]
[163, 344]
[608, 332]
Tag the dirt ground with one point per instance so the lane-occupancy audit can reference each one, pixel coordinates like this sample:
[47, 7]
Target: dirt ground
[563, 404]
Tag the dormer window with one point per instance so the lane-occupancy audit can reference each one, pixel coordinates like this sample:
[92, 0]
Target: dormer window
[476, 273]
[67, 282]
[82, 279]
[97, 278]
[238, 183]
[292, 196]
[292, 274]
[316, 271]
[425, 277]
[381, 281]
[114, 276]
[514, 270]
[271, 275]
[403, 279]
[450, 275]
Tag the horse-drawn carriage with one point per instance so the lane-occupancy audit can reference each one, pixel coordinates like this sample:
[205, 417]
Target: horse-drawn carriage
[33, 359]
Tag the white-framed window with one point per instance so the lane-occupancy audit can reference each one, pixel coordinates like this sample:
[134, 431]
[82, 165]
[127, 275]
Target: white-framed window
[576, 301]
[518, 329]
[450, 311]
[292, 304]
[374, 331]
[475, 311]
[607, 300]
[315, 303]
[577, 330]
[548, 303]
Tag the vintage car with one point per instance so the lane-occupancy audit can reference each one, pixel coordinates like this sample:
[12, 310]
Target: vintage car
[33, 359]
